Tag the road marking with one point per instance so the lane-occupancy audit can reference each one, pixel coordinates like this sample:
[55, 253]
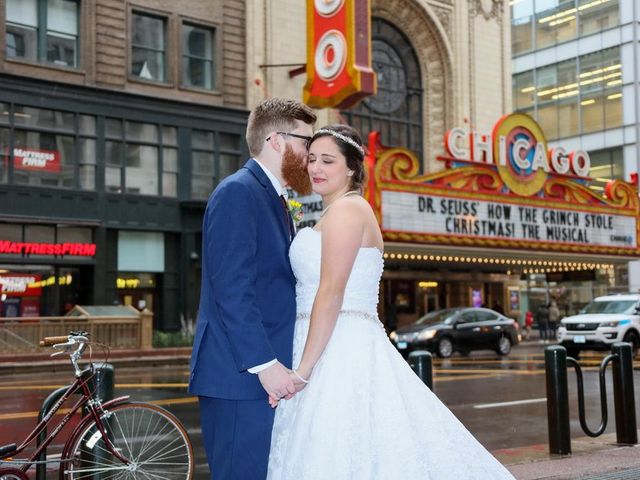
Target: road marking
[510, 404]
[174, 401]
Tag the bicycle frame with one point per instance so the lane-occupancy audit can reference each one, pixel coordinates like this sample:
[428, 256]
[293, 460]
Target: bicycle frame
[95, 411]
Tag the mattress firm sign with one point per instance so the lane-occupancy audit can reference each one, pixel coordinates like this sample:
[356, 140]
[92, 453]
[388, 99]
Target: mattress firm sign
[435, 215]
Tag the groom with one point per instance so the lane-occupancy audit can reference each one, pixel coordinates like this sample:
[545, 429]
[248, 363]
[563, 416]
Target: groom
[244, 337]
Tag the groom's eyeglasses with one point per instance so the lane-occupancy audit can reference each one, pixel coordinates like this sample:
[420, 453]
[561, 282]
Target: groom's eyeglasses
[307, 140]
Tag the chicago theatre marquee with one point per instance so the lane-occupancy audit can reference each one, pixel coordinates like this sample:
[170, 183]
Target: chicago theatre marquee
[508, 223]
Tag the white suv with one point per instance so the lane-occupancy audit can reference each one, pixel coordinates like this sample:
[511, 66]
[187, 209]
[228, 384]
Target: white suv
[606, 320]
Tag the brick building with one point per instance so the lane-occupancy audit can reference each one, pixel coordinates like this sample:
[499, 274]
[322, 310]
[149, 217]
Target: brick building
[117, 119]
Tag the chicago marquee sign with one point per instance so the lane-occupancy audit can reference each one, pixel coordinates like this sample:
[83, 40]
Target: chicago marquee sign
[502, 189]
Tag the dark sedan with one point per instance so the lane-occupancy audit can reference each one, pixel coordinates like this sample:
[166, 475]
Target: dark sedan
[458, 329]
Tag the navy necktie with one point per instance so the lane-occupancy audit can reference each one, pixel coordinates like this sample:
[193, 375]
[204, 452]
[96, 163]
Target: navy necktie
[288, 219]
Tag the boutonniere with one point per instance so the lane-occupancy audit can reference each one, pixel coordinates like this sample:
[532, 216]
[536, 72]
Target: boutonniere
[295, 210]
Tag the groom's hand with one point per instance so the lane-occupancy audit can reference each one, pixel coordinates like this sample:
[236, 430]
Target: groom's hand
[277, 382]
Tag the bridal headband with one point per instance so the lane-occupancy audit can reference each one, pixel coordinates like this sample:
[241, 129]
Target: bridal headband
[342, 137]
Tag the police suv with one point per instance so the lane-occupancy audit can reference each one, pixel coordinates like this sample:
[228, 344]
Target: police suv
[606, 320]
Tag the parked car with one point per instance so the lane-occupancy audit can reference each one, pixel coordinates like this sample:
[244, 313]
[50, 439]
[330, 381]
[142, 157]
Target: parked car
[458, 329]
[606, 320]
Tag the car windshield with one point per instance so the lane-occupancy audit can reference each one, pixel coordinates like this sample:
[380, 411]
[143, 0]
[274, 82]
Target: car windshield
[438, 316]
[613, 306]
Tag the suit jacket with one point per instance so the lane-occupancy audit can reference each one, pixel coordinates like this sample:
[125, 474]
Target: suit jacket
[247, 303]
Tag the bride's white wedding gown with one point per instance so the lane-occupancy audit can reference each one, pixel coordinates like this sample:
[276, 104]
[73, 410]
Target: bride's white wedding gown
[365, 414]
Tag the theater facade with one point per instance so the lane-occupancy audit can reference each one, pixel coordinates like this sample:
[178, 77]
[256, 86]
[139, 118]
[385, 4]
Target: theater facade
[508, 223]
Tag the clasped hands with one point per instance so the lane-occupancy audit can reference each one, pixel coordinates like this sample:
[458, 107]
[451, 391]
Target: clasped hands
[280, 383]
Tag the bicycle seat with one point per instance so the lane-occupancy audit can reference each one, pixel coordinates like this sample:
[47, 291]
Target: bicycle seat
[7, 450]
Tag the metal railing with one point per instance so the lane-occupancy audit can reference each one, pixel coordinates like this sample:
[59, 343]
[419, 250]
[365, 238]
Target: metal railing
[22, 334]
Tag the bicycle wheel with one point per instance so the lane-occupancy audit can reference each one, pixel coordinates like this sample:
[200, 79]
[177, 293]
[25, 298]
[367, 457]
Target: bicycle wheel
[152, 439]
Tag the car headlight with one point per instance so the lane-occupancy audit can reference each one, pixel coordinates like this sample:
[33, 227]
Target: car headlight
[613, 323]
[426, 334]
[393, 336]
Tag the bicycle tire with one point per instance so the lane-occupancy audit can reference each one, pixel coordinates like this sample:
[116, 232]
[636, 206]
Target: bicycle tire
[153, 439]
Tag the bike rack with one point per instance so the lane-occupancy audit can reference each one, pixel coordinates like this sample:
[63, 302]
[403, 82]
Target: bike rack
[101, 384]
[556, 361]
[421, 362]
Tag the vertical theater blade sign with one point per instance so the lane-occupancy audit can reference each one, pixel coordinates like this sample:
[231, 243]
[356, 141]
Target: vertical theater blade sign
[339, 72]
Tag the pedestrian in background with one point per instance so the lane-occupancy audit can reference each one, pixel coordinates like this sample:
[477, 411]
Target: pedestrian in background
[528, 324]
[554, 318]
[542, 319]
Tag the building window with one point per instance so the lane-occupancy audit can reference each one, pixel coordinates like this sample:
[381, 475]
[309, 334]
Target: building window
[148, 47]
[138, 161]
[396, 110]
[43, 30]
[51, 148]
[214, 156]
[555, 22]
[606, 165]
[536, 24]
[596, 16]
[133, 159]
[202, 164]
[521, 26]
[197, 57]
[577, 96]
[169, 162]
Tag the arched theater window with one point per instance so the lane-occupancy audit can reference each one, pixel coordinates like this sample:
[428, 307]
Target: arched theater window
[396, 110]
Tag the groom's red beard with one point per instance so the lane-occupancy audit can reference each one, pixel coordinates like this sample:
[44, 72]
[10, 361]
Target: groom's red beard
[294, 171]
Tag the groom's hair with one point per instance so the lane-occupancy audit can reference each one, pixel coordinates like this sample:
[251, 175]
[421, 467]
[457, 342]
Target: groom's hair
[275, 115]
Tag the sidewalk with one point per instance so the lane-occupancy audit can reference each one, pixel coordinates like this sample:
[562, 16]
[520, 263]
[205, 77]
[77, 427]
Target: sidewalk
[592, 459]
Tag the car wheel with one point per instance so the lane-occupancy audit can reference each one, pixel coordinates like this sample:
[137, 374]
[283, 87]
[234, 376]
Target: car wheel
[634, 340]
[504, 346]
[445, 347]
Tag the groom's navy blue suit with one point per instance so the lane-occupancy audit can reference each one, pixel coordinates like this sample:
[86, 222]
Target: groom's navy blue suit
[246, 318]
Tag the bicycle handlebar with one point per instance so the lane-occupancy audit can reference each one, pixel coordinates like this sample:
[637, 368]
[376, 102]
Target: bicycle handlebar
[50, 341]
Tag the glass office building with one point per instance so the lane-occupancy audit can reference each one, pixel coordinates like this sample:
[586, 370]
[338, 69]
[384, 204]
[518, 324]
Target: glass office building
[576, 65]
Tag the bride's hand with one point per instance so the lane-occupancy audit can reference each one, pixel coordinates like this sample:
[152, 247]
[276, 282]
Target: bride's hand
[297, 382]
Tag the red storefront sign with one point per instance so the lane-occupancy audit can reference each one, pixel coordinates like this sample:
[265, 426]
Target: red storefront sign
[339, 72]
[20, 285]
[36, 160]
[57, 249]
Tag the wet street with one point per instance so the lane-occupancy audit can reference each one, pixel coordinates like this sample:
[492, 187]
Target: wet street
[500, 400]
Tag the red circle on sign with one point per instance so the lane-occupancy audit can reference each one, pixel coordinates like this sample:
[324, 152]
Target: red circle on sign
[329, 55]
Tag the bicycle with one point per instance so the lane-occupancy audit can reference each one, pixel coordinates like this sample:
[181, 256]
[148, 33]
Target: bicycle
[115, 439]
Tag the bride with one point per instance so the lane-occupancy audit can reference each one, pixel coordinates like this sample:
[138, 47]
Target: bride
[361, 413]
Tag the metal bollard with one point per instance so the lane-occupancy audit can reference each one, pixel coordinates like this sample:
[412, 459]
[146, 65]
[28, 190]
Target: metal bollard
[555, 359]
[102, 382]
[623, 394]
[421, 362]
[41, 468]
